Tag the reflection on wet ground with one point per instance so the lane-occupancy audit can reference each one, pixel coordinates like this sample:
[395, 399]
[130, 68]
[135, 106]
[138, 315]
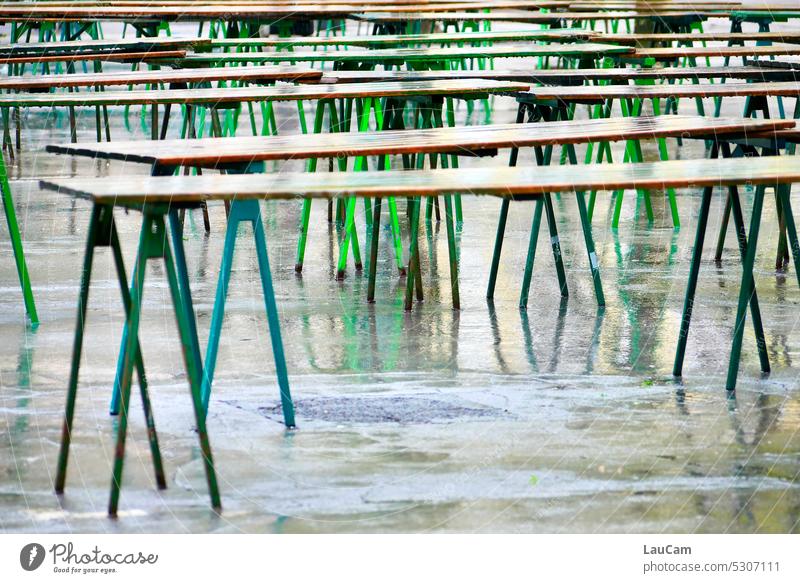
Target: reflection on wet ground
[561, 418]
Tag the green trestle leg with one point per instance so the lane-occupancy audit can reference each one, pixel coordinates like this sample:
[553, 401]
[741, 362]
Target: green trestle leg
[534, 237]
[176, 229]
[746, 290]
[370, 106]
[747, 295]
[543, 157]
[153, 245]
[413, 279]
[633, 152]
[588, 239]
[782, 255]
[755, 310]
[102, 233]
[247, 211]
[503, 218]
[16, 244]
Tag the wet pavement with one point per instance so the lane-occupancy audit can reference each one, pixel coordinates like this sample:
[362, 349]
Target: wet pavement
[560, 418]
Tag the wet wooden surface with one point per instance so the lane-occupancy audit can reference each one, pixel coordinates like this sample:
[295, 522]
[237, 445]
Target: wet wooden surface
[399, 40]
[785, 89]
[523, 16]
[413, 55]
[787, 36]
[662, 53]
[111, 57]
[508, 182]
[283, 92]
[98, 46]
[646, 6]
[213, 152]
[249, 74]
[568, 76]
[528, 4]
[201, 11]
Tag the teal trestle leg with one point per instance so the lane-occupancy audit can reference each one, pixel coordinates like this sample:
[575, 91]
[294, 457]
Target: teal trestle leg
[247, 211]
[152, 245]
[176, 229]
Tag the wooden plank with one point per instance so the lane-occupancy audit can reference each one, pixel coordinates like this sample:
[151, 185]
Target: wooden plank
[507, 182]
[198, 12]
[303, 9]
[567, 76]
[600, 93]
[786, 36]
[214, 152]
[282, 92]
[98, 46]
[412, 55]
[247, 74]
[106, 57]
[523, 16]
[528, 4]
[788, 62]
[671, 53]
[400, 40]
[785, 13]
[645, 6]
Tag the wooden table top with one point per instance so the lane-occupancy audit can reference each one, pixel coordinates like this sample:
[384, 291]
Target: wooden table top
[281, 92]
[314, 6]
[527, 16]
[787, 36]
[600, 93]
[671, 53]
[507, 182]
[412, 55]
[399, 40]
[200, 11]
[106, 56]
[444, 4]
[215, 152]
[785, 13]
[789, 62]
[655, 5]
[569, 76]
[249, 74]
[98, 46]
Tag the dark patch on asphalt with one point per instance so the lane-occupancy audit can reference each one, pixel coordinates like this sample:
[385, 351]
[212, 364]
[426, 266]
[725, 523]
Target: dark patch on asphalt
[400, 409]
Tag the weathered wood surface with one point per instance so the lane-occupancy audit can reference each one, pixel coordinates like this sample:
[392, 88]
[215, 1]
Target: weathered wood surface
[309, 7]
[600, 93]
[530, 4]
[787, 36]
[671, 53]
[97, 46]
[199, 11]
[785, 13]
[413, 55]
[400, 40]
[646, 6]
[569, 76]
[507, 182]
[248, 74]
[215, 152]
[283, 92]
[789, 62]
[110, 57]
[523, 16]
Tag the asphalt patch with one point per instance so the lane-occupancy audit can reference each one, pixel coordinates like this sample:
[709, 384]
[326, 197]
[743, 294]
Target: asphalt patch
[399, 409]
